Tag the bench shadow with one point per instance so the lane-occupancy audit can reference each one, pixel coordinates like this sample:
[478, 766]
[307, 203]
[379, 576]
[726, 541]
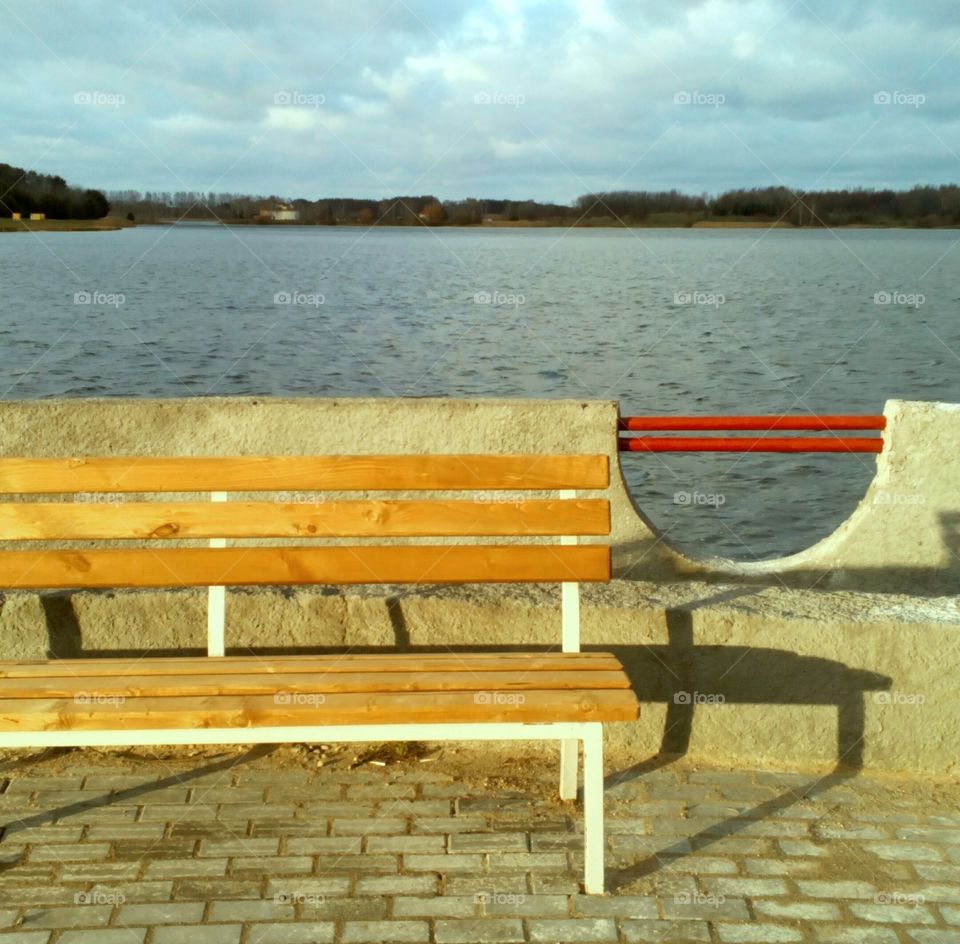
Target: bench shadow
[45, 817]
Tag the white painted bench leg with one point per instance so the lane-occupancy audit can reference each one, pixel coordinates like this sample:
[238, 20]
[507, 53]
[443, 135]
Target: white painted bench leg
[569, 759]
[593, 878]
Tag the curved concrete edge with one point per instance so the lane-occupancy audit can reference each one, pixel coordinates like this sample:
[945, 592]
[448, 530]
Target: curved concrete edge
[903, 536]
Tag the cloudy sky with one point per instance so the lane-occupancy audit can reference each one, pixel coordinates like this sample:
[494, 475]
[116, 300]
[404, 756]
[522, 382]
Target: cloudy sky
[519, 98]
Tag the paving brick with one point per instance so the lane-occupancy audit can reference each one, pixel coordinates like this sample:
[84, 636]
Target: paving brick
[413, 808]
[272, 865]
[950, 915]
[308, 885]
[301, 932]
[748, 887]
[373, 932]
[141, 891]
[936, 893]
[698, 865]
[163, 913]
[104, 936]
[341, 808]
[802, 847]
[783, 866]
[180, 868]
[846, 934]
[938, 834]
[349, 909]
[616, 906]
[202, 934]
[933, 936]
[828, 831]
[688, 905]
[323, 845]
[99, 871]
[823, 889]
[445, 862]
[266, 909]
[396, 885]
[210, 889]
[758, 933]
[449, 906]
[800, 910]
[365, 862]
[365, 827]
[447, 824]
[507, 883]
[523, 905]
[79, 916]
[380, 791]
[671, 932]
[905, 851]
[33, 784]
[527, 861]
[571, 929]
[25, 937]
[448, 931]
[489, 842]
[154, 849]
[406, 844]
[77, 852]
[892, 914]
[120, 832]
[239, 846]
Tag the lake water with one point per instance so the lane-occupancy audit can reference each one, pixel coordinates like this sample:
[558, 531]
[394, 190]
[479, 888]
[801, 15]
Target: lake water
[665, 321]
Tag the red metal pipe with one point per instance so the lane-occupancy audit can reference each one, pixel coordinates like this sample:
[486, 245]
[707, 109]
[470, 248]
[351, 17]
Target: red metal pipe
[655, 423]
[747, 444]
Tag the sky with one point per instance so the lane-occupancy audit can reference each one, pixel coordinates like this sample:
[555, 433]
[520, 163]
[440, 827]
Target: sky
[538, 99]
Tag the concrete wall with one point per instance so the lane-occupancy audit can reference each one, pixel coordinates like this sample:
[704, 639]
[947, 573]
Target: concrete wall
[729, 663]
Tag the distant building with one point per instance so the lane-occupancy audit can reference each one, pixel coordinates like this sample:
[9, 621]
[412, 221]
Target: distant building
[17, 216]
[281, 213]
[38, 216]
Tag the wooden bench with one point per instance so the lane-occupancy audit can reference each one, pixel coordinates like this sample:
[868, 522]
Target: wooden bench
[564, 695]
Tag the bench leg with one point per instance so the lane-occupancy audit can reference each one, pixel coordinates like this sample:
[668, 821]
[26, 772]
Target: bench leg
[593, 878]
[569, 759]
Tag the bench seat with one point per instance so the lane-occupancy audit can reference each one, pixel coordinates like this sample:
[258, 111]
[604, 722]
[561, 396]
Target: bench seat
[237, 692]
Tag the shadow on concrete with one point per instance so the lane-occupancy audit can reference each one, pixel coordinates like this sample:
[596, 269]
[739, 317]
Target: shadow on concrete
[45, 817]
[619, 878]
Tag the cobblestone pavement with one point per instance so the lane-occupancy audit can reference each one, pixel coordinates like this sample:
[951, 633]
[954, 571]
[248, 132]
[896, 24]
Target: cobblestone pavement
[244, 849]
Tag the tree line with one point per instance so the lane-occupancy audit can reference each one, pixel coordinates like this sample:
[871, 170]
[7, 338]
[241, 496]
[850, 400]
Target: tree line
[26, 191]
[924, 206]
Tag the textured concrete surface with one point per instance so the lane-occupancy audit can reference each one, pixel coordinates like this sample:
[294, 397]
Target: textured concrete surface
[725, 673]
[255, 849]
[730, 664]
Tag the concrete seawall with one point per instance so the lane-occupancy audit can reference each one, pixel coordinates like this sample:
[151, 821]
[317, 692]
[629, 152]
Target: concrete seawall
[847, 651]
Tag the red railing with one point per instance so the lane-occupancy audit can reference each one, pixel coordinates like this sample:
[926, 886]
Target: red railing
[848, 444]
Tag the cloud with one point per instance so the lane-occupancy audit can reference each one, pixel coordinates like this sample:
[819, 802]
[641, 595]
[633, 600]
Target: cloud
[517, 98]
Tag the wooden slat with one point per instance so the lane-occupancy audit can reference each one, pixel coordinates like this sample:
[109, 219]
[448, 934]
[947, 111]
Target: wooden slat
[246, 711]
[257, 683]
[287, 566]
[151, 520]
[381, 663]
[281, 473]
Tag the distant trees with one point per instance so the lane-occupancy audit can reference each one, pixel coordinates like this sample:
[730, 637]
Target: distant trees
[26, 192]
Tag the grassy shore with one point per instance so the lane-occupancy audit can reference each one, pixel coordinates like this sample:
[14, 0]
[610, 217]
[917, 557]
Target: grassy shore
[108, 223]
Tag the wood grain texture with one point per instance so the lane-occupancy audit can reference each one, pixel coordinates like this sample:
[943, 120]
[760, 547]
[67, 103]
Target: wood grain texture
[291, 566]
[164, 520]
[308, 473]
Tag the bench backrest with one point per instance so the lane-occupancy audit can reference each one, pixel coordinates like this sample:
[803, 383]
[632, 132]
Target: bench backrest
[102, 500]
